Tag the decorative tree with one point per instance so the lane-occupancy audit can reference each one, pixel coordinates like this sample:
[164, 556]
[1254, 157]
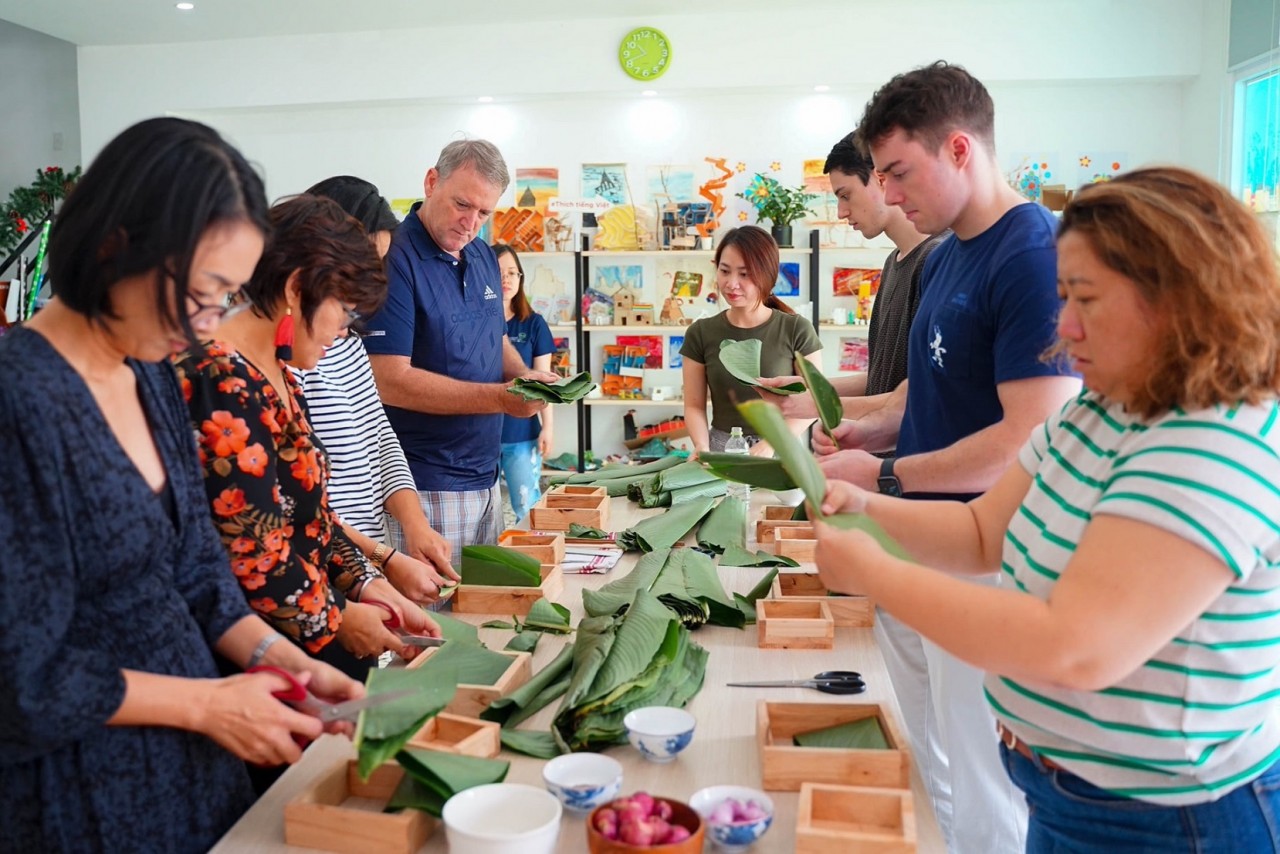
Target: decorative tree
[28, 207]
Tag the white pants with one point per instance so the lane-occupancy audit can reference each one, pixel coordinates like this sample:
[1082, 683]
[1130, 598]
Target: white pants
[953, 739]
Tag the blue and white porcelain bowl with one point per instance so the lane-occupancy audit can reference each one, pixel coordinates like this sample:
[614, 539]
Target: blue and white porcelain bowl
[659, 732]
[739, 835]
[583, 781]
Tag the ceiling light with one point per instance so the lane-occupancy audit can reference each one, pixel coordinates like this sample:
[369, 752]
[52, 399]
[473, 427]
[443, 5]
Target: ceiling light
[822, 87]
[485, 99]
[185, 7]
[649, 93]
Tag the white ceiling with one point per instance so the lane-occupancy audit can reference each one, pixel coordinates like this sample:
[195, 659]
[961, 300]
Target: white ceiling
[114, 22]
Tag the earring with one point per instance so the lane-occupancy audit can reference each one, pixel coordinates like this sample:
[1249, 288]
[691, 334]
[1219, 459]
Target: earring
[284, 336]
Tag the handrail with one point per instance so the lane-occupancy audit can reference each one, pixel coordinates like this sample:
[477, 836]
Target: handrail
[22, 247]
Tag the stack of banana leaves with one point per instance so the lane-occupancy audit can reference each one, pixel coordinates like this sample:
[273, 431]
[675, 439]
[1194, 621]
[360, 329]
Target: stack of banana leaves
[643, 657]
[676, 485]
[665, 529]
[616, 478]
[565, 390]
[724, 532]
[500, 566]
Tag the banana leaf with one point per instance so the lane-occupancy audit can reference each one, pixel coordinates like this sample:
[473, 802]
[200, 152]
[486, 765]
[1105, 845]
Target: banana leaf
[454, 630]
[724, 526]
[764, 472]
[742, 360]
[546, 616]
[646, 495]
[735, 556]
[585, 532]
[866, 734]
[613, 471]
[546, 685]
[747, 603]
[499, 566]
[684, 580]
[825, 397]
[432, 777]
[666, 529]
[473, 664]
[523, 642]
[540, 745]
[566, 390]
[768, 422]
[381, 731]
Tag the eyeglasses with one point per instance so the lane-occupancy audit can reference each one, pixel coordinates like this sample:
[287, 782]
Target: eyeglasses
[512, 274]
[353, 317]
[221, 310]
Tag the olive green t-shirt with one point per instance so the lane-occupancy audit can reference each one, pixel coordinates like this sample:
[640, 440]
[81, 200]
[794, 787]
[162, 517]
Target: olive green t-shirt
[781, 337]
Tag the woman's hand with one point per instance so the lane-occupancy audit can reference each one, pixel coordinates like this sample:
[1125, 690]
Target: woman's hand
[792, 405]
[845, 559]
[761, 449]
[240, 714]
[544, 442]
[363, 633]
[424, 543]
[413, 619]
[844, 497]
[415, 579]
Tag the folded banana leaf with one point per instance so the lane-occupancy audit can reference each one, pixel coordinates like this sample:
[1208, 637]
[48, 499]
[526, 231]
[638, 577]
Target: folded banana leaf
[742, 360]
[474, 664]
[546, 616]
[825, 397]
[747, 603]
[866, 734]
[613, 471]
[585, 532]
[683, 579]
[666, 529]
[540, 745]
[646, 494]
[523, 642]
[764, 472]
[724, 526]
[737, 556]
[381, 731]
[565, 390]
[499, 566]
[432, 777]
[546, 685]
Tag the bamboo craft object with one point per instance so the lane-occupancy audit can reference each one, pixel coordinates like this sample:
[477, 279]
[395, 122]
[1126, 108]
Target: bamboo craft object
[470, 700]
[782, 624]
[329, 817]
[855, 820]
[857, 612]
[784, 766]
[450, 733]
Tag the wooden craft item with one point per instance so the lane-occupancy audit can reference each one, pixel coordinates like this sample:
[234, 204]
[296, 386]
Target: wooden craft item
[470, 700]
[784, 766]
[547, 548]
[341, 813]
[451, 733]
[857, 612]
[783, 624]
[560, 507]
[855, 820]
[797, 543]
[509, 601]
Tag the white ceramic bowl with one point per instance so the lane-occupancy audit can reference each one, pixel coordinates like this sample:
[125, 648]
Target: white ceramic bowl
[789, 497]
[502, 818]
[583, 781]
[659, 732]
[740, 835]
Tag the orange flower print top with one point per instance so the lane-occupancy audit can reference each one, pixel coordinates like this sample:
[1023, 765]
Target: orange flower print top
[266, 477]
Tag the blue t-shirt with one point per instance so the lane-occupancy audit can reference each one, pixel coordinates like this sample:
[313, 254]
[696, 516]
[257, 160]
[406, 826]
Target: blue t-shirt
[988, 311]
[445, 314]
[532, 338]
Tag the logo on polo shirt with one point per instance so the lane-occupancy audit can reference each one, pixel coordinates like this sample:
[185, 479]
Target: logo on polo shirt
[488, 293]
[936, 346]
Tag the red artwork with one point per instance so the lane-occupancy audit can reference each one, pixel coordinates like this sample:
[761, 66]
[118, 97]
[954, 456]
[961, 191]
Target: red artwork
[851, 281]
[652, 345]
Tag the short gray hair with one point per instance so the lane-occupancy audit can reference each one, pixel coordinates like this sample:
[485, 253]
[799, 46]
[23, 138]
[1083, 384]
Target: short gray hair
[481, 155]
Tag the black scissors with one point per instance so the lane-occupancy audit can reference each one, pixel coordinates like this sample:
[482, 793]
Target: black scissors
[828, 682]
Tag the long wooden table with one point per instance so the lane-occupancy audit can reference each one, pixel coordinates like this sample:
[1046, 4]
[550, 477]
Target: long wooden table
[724, 745]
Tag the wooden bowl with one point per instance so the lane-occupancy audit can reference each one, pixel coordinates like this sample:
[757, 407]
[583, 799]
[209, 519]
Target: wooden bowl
[681, 814]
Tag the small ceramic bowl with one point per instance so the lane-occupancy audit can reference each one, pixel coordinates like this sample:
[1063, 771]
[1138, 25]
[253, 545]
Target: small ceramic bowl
[659, 732]
[583, 781]
[789, 497]
[739, 835]
[681, 814]
[502, 818]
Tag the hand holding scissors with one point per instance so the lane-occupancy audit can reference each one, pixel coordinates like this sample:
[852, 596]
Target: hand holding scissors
[828, 682]
[392, 621]
[304, 701]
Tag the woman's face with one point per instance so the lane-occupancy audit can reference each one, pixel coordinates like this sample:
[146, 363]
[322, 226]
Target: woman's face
[510, 276]
[332, 320]
[733, 281]
[1109, 330]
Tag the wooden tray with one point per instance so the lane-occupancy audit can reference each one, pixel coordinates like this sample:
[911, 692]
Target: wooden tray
[470, 700]
[784, 767]
[547, 548]
[341, 813]
[849, 611]
[506, 601]
[562, 506]
[450, 733]
[784, 624]
[773, 517]
[855, 819]
[797, 543]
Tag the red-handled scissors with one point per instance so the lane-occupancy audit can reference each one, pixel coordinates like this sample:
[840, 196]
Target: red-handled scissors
[392, 621]
[304, 701]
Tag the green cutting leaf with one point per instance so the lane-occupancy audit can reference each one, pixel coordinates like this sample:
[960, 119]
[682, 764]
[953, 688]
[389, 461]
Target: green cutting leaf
[456, 631]
[382, 730]
[541, 745]
[735, 556]
[500, 624]
[585, 532]
[614, 471]
[524, 701]
[866, 734]
[764, 472]
[742, 360]
[863, 522]
[438, 776]
[747, 603]
[523, 642]
[667, 529]
[825, 396]
[724, 526]
[499, 566]
[566, 390]
[546, 616]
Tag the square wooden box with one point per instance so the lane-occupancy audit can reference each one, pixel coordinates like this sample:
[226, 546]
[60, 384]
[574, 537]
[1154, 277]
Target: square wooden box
[498, 599]
[547, 548]
[561, 506]
[450, 733]
[341, 813]
[855, 820]
[783, 624]
[797, 543]
[470, 700]
[773, 517]
[784, 766]
[849, 611]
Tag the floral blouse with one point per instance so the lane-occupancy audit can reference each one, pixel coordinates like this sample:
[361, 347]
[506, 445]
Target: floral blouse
[265, 474]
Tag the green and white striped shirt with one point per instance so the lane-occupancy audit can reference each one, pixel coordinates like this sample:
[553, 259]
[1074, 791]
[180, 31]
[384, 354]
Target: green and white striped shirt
[1201, 717]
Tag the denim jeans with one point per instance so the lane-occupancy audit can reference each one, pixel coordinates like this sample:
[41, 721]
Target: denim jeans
[522, 470]
[1068, 814]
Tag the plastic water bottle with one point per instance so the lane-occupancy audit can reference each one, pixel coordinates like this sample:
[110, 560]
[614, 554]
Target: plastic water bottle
[737, 444]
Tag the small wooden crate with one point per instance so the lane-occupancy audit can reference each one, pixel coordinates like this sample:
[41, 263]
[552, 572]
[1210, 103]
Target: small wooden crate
[470, 700]
[499, 599]
[547, 548]
[857, 612]
[326, 817]
[773, 517]
[450, 733]
[797, 543]
[855, 819]
[783, 624]
[561, 506]
[783, 766]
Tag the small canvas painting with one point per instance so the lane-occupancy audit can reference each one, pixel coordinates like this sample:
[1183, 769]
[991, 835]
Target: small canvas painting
[855, 281]
[853, 354]
[652, 345]
[560, 361]
[670, 183]
[536, 187]
[605, 181]
[610, 277]
[674, 344]
[788, 284]
[686, 284]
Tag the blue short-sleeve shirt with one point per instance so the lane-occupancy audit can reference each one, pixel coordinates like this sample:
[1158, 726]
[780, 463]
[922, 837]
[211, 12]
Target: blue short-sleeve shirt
[445, 314]
[532, 338]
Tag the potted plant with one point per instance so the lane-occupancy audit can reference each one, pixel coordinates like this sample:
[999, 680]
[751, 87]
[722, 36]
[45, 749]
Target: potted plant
[780, 205]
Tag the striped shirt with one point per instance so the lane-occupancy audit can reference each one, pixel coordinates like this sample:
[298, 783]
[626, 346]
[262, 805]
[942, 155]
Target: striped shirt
[346, 413]
[1201, 717]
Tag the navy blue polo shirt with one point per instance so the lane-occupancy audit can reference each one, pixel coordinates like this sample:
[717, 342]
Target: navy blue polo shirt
[532, 338]
[445, 314]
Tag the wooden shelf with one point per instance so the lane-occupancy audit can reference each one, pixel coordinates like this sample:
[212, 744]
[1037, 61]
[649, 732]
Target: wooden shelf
[639, 329]
[676, 253]
[644, 401]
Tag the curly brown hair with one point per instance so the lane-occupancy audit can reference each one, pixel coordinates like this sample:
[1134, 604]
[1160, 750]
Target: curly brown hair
[927, 104]
[1203, 262]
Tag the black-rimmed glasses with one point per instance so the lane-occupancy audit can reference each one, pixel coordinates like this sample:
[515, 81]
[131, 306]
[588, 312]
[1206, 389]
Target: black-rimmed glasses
[220, 311]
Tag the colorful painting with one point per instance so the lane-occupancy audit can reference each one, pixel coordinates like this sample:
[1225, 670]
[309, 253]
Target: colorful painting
[674, 345]
[1031, 173]
[686, 284]
[855, 281]
[519, 228]
[619, 229]
[652, 345]
[558, 233]
[788, 284]
[670, 183]
[611, 277]
[1098, 166]
[535, 187]
[853, 354]
[561, 363]
[606, 181]
[400, 207]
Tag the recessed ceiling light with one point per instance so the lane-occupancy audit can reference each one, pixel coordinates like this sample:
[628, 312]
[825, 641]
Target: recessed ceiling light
[485, 99]
[649, 93]
[185, 7]
[822, 87]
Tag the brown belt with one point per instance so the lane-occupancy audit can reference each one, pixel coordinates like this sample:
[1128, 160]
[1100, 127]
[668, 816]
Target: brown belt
[1017, 745]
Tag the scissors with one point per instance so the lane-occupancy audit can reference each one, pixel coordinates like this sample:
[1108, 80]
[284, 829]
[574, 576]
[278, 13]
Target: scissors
[828, 682]
[304, 701]
[392, 621]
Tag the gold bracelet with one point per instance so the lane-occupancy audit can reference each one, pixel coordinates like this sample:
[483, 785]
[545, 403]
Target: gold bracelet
[380, 555]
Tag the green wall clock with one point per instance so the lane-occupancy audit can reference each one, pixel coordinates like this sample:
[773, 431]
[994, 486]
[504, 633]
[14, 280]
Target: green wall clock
[645, 53]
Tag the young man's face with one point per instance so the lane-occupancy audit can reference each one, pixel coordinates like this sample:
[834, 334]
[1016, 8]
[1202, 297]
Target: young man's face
[861, 205]
[927, 185]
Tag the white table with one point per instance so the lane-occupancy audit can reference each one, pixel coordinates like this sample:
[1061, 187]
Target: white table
[724, 745]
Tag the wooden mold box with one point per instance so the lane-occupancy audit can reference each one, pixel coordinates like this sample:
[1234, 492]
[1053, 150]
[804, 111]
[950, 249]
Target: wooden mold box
[547, 548]
[450, 733]
[784, 624]
[561, 506]
[341, 813]
[857, 612]
[470, 700]
[773, 517]
[797, 543]
[855, 819]
[784, 766]
[499, 599]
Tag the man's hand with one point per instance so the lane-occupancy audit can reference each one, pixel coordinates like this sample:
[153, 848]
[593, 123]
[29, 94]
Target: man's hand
[424, 543]
[761, 449]
[792, 405]
[848, 434]
[516, 406]
[856, 467]
[541, 376]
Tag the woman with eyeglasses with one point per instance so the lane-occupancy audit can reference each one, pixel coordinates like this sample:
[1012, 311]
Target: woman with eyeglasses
[117, 733]
[525, 441]
[266, 473]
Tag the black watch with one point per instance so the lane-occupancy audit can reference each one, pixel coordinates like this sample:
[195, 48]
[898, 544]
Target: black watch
[887, 482]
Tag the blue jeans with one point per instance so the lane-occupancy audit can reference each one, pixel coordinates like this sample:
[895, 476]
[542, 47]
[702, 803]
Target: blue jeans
[522, 470]
[1068, 814]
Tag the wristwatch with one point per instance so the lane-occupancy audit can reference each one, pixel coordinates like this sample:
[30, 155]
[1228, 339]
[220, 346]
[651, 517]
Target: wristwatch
[887, 482]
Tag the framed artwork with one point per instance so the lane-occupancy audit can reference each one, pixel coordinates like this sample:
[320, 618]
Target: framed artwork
[855, 281]
[652, 345]
[853, 354]
[606, 181]
[788, 284]
[674, 359]
[535, 187]
[611, 277]
[686, 284]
